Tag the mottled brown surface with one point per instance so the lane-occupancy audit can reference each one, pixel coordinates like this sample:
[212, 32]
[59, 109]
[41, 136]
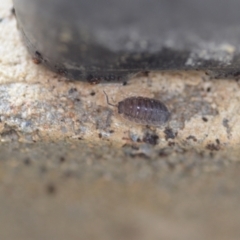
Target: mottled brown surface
[72, 168]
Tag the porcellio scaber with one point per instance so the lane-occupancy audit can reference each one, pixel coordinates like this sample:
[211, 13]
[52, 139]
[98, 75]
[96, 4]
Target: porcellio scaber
[142, 110]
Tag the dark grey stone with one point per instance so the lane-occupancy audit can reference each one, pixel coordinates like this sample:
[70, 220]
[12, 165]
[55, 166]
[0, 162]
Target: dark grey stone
[110, 39]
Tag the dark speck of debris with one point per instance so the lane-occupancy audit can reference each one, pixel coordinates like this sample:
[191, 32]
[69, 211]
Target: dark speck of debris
[169, 133]
[73, 94]
[135, 147]
[37, 59]
[51, 189]
[139, 155]
[225, 123]
[61, 71]
[151, 138]
[191, 137]
[111, 131]
[213, 147]
[145, 73]
[13, 12]
[27, 162]
[100, 135]
[130, 146]
[204, 119]
[93, 79]
[171, 144]
[62, 159]
[124, 83]
[208, 89]
[92, 93]
[218, 141]
[163, 153]
[131, 150]
[72, 90]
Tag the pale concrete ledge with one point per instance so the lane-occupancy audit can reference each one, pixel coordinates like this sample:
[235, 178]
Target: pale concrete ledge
[72, 168]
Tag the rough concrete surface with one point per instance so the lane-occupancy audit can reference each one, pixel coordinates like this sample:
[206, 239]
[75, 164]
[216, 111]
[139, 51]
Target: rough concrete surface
[72, 168]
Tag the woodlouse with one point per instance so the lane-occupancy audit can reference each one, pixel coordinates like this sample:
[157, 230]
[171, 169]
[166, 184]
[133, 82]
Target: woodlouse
[147, 111]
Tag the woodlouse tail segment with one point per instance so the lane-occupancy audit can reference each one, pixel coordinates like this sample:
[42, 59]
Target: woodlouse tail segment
[108, 100]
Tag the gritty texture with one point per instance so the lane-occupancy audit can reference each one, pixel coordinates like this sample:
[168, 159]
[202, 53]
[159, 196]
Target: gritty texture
[72, 167]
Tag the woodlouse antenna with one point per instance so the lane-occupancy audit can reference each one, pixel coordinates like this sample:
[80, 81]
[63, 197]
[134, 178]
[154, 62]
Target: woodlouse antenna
[108, 100]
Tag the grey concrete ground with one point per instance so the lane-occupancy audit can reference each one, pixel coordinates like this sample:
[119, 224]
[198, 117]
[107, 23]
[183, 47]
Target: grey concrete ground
[72, 168]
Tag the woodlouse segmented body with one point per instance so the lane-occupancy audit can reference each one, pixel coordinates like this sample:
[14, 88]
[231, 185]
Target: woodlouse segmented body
[142, 110]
